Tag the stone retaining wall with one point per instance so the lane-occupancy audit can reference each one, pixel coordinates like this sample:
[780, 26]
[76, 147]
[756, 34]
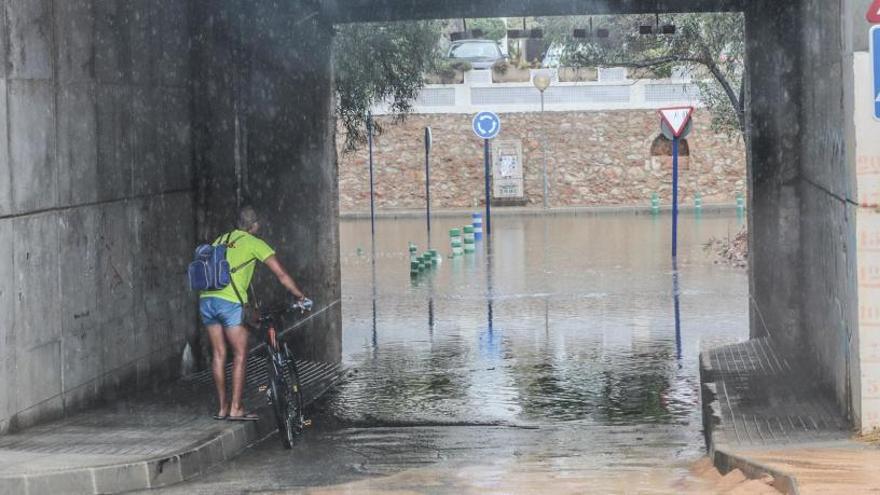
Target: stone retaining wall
[593, 158]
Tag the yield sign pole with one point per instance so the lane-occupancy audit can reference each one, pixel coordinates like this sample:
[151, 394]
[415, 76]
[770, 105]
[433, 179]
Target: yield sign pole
[677, 120]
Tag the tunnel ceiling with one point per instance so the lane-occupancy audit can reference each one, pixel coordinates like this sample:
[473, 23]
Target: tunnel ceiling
[343, 11]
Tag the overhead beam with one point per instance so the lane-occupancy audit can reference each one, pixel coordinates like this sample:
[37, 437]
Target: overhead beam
[347, 11]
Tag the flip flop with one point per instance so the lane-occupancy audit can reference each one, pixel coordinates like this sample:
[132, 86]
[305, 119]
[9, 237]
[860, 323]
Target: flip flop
[246, 417]
[220, 418]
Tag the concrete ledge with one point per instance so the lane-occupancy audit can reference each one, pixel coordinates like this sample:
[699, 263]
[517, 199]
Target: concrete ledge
[502, 211]
[159, 472]
[726, 461]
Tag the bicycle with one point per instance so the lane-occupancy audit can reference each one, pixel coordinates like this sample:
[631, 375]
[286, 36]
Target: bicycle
[283, 392]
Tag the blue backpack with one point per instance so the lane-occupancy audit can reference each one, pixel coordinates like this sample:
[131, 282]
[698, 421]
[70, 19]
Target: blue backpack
[209, 269]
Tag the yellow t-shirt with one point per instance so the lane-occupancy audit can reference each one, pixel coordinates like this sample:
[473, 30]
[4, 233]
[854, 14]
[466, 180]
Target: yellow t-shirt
[243, 248]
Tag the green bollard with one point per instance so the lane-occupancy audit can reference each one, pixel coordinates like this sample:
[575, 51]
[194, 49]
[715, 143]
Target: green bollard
[455, 241]
[469, 245]
[456, 248]
[740, 202]
[698, 202]
[469, 239]
[655, 203]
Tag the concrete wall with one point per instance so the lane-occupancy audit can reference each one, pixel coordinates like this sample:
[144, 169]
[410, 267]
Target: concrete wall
[265, 110]
[96, 199]
[866, 382]
[129, 130]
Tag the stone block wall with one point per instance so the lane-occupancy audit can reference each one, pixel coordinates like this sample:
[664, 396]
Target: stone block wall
[96, 200]
[593, 159]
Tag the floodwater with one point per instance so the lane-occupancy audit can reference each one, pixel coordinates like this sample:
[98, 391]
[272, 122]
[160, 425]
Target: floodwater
[551, 361]
[559, 319]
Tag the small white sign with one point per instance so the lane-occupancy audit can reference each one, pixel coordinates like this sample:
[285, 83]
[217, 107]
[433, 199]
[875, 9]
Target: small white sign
[507, 170]
[677, 118]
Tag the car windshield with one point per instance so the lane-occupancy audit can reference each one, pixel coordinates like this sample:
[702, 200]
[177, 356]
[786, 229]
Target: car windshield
[474, 50]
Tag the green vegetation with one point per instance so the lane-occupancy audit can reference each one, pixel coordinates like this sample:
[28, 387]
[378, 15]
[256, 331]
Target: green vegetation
[381, 62]
[389, 61]
[710, 45]
[493, 29]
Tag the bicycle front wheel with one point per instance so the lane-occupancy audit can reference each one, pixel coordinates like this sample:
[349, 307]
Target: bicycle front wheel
[280, 401]
[294, 401]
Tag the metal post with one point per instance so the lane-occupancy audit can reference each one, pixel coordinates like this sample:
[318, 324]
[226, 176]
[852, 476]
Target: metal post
[486, 171]
[372, 191]
[428, 181]
[544, 147]
[674, 198]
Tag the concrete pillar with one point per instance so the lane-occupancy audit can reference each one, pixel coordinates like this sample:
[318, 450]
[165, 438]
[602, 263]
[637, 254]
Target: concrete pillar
[801, 172]
[773, 90]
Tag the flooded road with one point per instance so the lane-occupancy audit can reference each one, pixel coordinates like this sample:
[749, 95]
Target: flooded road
[569, 319]
[551, 356]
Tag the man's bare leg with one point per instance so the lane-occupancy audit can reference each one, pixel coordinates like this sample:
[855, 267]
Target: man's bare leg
[218, 365]
[238, 338]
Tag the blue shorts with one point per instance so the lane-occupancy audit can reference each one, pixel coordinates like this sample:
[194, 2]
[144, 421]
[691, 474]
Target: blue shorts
[216, 311]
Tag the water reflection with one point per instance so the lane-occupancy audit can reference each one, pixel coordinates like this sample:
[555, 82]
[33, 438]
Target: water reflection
[556, 319]
[676, 295]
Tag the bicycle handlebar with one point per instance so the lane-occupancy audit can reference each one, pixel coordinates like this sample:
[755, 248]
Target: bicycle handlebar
[303, 305]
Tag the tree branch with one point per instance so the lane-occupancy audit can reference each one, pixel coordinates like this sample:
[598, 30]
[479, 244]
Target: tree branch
[651, 62]
[735, 101]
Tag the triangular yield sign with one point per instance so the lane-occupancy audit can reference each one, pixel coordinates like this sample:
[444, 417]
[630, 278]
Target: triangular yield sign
[874, 12]
[677, 118]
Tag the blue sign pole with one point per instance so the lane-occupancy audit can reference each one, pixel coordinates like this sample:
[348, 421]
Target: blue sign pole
[487, 171]
[675, 198]
[486, 126]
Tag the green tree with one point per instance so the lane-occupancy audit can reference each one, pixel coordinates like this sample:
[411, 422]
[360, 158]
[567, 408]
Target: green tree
[376, 62]
[493, 29]
[711, 46]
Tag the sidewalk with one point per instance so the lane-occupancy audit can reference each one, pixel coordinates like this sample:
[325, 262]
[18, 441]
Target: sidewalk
[153, 440]
[765, 415]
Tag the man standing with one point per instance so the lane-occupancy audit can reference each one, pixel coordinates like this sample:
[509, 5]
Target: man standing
[222, 311]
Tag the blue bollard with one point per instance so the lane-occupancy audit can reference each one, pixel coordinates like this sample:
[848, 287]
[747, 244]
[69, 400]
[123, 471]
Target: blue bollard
[477, 219]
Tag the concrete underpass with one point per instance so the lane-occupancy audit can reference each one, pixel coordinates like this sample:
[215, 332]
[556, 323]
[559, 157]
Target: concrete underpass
[133, 130]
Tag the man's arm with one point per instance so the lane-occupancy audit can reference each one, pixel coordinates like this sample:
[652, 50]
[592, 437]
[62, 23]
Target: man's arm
[285, 279]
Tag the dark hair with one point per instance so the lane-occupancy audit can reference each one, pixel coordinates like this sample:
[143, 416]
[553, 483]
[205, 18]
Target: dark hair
[247, 217]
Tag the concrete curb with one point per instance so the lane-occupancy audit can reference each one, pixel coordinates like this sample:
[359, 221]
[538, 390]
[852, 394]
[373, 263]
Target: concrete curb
[508, 211]
[150, 473]
[726, 461]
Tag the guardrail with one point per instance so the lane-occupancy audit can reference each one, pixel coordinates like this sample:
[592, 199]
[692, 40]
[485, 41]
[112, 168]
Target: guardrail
[478, 92]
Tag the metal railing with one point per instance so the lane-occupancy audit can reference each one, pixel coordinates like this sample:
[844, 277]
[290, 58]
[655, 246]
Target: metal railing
[478, 93]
